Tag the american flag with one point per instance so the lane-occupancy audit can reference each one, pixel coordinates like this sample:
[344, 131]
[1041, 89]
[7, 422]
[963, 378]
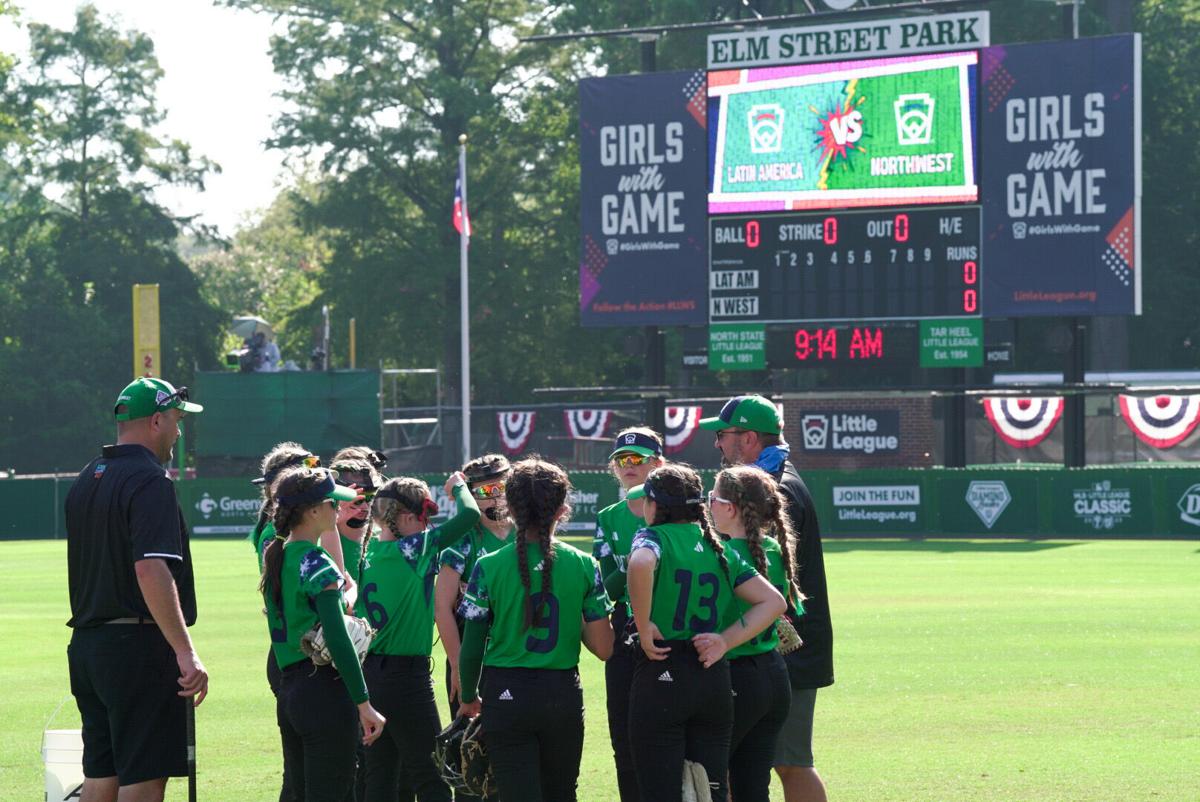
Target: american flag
[461, 218]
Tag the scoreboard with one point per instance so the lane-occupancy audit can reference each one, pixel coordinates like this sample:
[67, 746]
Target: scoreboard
[894, 264]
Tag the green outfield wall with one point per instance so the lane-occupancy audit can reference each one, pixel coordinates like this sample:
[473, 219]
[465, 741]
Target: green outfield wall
[1139, 501]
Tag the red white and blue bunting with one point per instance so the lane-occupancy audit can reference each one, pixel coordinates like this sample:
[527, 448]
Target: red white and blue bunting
[585, 424]
[1162, 421]
[682, 425]
[515, 430]
[1025, 421]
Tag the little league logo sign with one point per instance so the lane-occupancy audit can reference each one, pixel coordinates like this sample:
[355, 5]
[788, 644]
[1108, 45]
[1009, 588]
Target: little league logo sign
[816, 432]
[988, 499]
[766, 128]
[914, 119]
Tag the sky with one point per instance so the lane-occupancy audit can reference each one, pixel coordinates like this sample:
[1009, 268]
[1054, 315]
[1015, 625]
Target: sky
[218, 92]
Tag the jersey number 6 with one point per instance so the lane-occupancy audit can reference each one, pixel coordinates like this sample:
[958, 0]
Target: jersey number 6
[376, 612]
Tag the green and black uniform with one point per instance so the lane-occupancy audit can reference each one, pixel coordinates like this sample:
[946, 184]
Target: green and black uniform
[682, 709]
[762, 693]
[461, 558]
[395, 593]
[615, 527]
[532, 698]
[316, 706]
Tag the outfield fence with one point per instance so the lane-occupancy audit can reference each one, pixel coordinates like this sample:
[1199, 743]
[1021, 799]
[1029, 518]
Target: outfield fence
[985, 501]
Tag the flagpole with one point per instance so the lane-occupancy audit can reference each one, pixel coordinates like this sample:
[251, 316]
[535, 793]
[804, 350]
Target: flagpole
[463, 239]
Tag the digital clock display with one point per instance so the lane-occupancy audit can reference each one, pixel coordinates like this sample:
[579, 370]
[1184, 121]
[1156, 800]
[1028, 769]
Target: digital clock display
[842, 345]
[898, 264]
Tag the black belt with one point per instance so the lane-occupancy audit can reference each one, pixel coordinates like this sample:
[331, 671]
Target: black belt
[135, 619]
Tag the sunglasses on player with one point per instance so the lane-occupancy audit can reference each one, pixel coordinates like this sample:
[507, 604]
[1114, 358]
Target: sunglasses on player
[630, 460]
[713, 498]
[489, 489]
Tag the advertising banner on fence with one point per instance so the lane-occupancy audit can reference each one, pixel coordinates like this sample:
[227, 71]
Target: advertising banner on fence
[854, 133]
[1062, 188]
[887, 509]
[850, 433]
[644, 246]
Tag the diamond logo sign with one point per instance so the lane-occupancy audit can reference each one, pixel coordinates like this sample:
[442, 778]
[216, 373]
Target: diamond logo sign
[988, 499]
[914, 118]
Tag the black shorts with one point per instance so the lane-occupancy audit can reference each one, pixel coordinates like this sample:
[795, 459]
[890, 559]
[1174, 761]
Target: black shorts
[125, 681]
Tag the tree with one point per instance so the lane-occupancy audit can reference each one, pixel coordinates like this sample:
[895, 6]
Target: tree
[382, 90]
[270, 269]
[81, 228]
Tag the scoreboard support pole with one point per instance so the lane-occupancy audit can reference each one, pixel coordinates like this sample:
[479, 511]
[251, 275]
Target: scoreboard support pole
[954, 415]
[1074, 409]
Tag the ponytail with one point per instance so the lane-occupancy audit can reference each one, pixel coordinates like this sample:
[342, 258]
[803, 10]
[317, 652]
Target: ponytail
[292, 481]
[535, 491]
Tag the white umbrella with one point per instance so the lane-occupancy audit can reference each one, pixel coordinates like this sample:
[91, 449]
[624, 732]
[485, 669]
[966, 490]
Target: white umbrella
[246, 326]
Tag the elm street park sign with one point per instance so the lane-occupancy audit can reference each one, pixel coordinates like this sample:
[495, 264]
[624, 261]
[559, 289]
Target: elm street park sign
[867, 39]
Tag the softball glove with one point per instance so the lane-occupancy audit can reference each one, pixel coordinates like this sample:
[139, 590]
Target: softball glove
[313, 641]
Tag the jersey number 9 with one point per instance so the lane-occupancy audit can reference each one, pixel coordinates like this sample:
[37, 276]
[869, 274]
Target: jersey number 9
[545, 603]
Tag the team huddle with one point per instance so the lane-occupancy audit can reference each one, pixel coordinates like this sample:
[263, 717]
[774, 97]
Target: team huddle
[709, 610]
[692, 600]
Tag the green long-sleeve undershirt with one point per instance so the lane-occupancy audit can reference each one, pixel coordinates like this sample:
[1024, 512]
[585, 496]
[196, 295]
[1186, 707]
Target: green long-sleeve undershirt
[464, 519]
[470, 657]
[337, 640]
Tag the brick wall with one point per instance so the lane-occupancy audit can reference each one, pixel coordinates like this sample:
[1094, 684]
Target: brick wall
[916, 440]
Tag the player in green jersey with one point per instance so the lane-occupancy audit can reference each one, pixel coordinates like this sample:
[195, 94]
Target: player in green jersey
[532, 603]
[636, 451]
[682, 587]
[281, 457]
[301, 587]
[396, 596]
[354, 517]
[359, 467]
[486, 479]
[745, 505]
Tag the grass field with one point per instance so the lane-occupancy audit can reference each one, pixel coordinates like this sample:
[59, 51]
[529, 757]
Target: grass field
[966, 670]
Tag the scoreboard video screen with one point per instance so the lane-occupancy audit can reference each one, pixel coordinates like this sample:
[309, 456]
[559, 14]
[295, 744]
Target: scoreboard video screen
[908, 263]
[844, 134]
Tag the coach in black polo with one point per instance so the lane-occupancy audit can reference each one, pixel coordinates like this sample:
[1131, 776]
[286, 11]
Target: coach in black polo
[749, 431]
[133, 666]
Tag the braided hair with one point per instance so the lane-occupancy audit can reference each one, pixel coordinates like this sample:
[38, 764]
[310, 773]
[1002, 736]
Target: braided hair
[357, 471]
[291, 482]
[535, 491]
[377, 459]
[281, 456]
[386, 508]
[763, 509]
[679, 481]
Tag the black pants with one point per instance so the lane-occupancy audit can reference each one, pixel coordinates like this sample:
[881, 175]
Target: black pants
[618, 679]
[319, 727]
[533, 730]
[274, 675]
[679, 709]
[762, 696]
[459, 796]
[402, 690]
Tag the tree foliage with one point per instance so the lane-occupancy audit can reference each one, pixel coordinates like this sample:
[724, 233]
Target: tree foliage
[78, 228]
